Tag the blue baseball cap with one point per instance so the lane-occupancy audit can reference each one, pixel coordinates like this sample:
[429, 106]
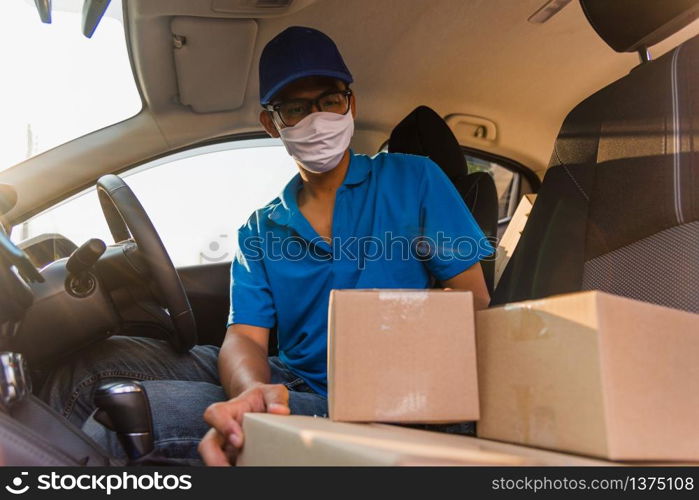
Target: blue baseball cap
[298, 52]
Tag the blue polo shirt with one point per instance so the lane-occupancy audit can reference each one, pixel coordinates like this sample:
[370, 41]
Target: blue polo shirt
[398, 222]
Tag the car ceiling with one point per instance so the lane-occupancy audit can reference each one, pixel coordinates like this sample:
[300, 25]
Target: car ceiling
[474, 57]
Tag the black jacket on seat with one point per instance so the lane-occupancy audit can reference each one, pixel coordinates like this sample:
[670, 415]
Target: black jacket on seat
[423, 132]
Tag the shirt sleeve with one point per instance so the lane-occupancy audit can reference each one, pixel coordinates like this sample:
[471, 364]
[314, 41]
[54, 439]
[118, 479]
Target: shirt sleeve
[251, 295]
[451, 240]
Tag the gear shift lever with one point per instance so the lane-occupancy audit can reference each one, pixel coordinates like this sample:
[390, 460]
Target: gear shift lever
[124, 408]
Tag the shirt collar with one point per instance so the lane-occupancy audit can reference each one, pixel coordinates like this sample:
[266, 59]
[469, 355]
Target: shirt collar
[287, 206]
[358, 171]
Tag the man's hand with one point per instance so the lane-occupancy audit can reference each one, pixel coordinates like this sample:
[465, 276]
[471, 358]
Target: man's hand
[220, 446]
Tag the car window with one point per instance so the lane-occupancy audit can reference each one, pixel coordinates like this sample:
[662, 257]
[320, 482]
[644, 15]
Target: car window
[197, 199]
[57, 84]
[510, 184]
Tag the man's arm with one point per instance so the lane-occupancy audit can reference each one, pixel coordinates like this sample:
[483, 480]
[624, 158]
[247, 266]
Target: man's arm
[244, 373]
[242, 360]
[472, 280]
[446, 217]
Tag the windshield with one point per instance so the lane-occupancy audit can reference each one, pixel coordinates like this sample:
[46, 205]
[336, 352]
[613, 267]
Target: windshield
[56, 84]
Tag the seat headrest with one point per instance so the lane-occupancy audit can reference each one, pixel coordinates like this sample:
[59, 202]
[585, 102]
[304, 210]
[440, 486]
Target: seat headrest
[630, 25]
[423, 132]
[637, 115]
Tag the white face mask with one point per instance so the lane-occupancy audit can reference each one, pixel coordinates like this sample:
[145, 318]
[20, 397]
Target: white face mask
[319, 141]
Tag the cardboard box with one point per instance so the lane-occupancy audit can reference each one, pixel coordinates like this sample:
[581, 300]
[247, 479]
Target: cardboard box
[309, 441]
[402, 356]
[510, 238]
[591, 373]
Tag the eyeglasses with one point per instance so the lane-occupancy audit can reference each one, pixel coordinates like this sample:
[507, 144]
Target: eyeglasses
[294, 110]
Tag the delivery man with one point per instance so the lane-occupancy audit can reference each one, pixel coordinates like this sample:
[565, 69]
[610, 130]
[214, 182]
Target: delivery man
[344, 221]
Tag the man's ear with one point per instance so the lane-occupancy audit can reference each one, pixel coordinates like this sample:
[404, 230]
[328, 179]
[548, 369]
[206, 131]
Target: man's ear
[353, 105]
[268, 123]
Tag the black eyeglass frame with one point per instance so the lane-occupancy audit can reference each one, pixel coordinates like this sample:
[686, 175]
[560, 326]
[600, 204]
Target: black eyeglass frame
[274, 108]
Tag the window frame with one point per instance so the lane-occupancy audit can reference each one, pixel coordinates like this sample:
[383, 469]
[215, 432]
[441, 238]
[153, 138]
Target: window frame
[248, 141]
[78, 190]
[513, 166]
[195, 151]
[503, 161]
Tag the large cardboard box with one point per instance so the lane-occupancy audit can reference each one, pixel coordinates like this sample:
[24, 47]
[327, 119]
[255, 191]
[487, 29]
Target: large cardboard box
[309, 441]
[591, 373]
[402, 356]
[511, 236]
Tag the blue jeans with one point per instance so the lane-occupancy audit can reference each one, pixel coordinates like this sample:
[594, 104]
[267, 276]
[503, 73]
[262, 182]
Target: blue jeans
[179, 387]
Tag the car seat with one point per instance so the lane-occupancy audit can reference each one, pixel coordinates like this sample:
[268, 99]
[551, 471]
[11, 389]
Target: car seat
[423, 132]
[618, 209]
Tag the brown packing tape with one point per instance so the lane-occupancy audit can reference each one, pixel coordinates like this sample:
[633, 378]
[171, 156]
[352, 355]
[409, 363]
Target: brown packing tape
[527, 323]
[389, 409]
[400, 305]
[397, 308]
[538, 421]
[523, 401]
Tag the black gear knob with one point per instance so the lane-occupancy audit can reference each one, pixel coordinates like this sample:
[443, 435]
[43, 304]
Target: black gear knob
[124, 408]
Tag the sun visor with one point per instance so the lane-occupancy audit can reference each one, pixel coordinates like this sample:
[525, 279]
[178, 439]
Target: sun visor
[213, 58]
[630, 25]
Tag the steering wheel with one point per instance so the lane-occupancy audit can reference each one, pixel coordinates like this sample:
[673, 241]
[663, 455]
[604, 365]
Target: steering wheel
[126, 218]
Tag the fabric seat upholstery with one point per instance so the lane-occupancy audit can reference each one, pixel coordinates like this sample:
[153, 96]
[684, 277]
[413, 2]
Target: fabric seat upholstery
[618, 209]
